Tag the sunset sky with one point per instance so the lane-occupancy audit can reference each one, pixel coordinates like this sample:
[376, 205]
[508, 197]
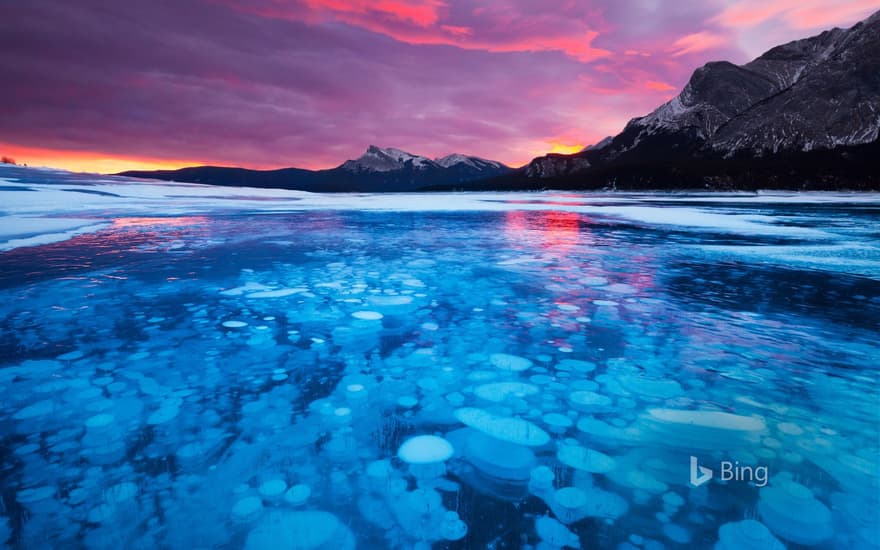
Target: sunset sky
[107, 86]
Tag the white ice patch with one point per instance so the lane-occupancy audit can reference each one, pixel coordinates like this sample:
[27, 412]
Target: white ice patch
[19, 231]
[280, 293]
[745, 224]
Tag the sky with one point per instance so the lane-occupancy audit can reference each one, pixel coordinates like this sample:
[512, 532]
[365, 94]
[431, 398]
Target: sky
[106, 86]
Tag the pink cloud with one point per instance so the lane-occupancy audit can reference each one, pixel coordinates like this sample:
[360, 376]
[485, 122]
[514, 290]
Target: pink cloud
[697, 42]
[492, 28]
[419, 12]
[659, 86]
[309, 83]
[797, 14]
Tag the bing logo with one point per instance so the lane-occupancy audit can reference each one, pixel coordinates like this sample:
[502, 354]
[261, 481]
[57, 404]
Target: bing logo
[730, 471]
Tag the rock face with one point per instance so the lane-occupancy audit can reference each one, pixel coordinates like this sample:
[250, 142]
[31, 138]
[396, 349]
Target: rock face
[814, 93]
[554, 165]
[378, 169]
[817, 94]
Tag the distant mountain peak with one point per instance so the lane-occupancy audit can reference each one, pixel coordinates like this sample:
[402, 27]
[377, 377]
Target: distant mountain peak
[390, 159]
[475, 162]
[377, 169]
[385, 159]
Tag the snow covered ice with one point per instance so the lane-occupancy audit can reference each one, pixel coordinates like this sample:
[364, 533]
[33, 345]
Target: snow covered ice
[274, 369]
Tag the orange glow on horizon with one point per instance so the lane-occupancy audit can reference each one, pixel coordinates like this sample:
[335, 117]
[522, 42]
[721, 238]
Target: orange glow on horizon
[107, 163]
[565, 148]
[88, 161]
[104, 163]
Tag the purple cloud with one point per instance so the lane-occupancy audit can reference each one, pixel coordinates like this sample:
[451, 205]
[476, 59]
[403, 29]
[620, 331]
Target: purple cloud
[309, 83]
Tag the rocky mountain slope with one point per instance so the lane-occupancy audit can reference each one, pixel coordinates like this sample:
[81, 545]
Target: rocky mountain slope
[764, 119]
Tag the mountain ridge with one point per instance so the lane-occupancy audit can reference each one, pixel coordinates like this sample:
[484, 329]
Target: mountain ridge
[377, 169]
[803, 115]
[813, 95]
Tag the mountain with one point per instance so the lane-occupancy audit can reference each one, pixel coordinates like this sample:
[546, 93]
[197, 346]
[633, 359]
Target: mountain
[386, 160]
[802, 115]
[602, 143]
[377, 170]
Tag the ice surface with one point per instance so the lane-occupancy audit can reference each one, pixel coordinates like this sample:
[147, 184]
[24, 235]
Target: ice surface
[791, 512]
[746, 535]
[41, 195]
[18, 231]
[255, 366]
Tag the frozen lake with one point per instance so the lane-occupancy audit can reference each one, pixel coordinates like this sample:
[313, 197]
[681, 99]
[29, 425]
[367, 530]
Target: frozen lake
[198, 367]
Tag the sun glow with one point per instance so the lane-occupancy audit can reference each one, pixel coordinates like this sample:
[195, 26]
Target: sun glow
[87, 161]
[566, 149]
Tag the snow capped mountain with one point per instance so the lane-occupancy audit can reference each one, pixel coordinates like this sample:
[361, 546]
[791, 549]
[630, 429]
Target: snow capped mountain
[819, 92]
[377, 159]
[602, 143]
[474, 162]
[388, 159]
[805, 110]
[414, 171]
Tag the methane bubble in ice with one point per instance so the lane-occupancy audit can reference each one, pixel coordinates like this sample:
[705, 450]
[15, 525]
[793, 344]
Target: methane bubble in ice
[747, 534]
[700, 429]
[556, 422]
[651, 388]
[792, 512]
[453, 528]
[585, 459]
[425, 449]
[568, 504]
[588, 401]
[499, 459]
[298, 494]
[576, 365]
[247, 508]
[555, 535]
[506, 428]
[273, 489]
[500, 391]
[509, 362]
[306, 530]
[367, 315]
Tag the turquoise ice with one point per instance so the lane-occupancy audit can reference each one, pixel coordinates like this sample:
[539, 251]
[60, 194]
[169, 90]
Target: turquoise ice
[518, 371]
